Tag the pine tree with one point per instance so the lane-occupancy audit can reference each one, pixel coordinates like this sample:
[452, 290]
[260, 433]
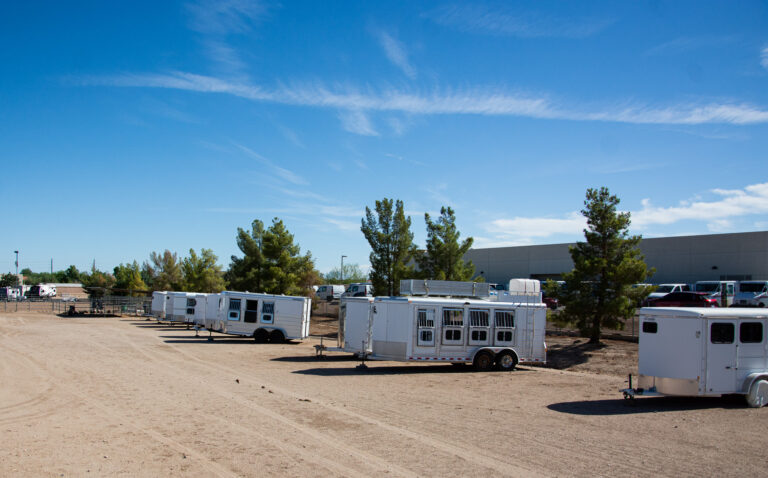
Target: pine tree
[443, 258]
[389, 234]
[167, 271]
[598, 291]
[202, 273]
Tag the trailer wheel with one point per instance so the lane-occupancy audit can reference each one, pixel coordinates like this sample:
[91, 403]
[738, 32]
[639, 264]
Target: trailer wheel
[758, 394]
[261, 336]
[483, 361]
[276, 337]
[506, 361]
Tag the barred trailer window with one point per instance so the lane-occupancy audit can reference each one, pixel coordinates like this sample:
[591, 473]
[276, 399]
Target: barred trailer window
[453, 318]
[426, 327]
[505, 318]
[478, 326]
[268, 312]
[478, 318]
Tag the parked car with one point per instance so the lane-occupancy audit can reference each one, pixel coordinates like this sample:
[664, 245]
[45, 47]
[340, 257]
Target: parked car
[359, 290]
[329, 292]
[684, 299]
[760, 300]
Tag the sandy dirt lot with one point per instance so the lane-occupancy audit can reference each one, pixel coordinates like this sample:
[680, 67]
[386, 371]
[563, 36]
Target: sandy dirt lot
[127, 397]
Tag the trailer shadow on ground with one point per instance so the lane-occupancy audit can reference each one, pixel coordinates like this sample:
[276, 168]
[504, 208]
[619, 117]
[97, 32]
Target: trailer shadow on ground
[396, 370]
[640, 405]
[561, 356]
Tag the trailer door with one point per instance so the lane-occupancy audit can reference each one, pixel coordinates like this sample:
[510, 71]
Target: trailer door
[721, 357]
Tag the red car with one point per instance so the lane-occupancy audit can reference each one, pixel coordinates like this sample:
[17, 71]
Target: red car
[684, 299]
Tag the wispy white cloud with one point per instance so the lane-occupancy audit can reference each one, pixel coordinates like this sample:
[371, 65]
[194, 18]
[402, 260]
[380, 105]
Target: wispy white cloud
[505, 20]
[719, 215]
[281, 172]
[764, 58]
[684, 44]
[344, 225]
[477, 101]
[222, 17]
[396, 53]
[357, 122]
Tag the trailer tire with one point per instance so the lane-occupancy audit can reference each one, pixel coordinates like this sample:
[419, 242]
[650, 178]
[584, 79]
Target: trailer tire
[276, 337]
[758, 394]
[483, 361]
[261, 336]
[506, 361]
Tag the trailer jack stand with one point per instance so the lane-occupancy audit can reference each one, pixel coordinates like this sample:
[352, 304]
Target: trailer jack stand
[362, 365]
[210, 336]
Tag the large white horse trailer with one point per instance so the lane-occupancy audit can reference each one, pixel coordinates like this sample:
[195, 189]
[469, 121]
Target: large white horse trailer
[180, 307]
[158, 304]
[206, 307]
[265, 317]
[691, 351]
[498, 330]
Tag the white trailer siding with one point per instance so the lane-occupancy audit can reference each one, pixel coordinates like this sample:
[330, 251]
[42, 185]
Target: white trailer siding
[180, 307]
[251, 314]
[442, 329]
[158, 304]
[701, 351]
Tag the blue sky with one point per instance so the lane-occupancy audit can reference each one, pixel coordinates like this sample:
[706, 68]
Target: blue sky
[131, 127]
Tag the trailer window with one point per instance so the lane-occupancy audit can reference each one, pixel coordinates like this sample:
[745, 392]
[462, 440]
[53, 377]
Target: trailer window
[721, 333]
[268, 312]
[425, 327]
[234, 309]
[453, 322]
[505, 319]
[251, 311]
[650, 327]
[751, 332]
[478, 326]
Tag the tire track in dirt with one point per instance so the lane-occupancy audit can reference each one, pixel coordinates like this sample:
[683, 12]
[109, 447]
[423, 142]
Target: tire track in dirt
[364, 458]
[474, 455]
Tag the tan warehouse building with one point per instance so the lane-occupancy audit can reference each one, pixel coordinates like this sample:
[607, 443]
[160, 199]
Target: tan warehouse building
[737, 256]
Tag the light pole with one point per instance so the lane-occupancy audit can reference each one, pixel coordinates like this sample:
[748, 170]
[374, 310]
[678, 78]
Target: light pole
[17, 264]
[342, 268]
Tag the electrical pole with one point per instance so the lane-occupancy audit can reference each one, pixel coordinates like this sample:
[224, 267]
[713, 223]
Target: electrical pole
[17, 266]
[342, 268]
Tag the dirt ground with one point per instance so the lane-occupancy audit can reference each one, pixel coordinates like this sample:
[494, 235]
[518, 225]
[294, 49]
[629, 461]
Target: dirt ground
[128, 397]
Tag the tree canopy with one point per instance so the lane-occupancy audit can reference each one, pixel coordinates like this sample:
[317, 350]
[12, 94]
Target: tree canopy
[202, 273]
[598, 291]
[443, 258]
[352, 273]
[128, 280]
[164, 271]
[271, 262]
[389, 234]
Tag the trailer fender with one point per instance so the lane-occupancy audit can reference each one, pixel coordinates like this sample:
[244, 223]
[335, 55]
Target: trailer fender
[752, 378]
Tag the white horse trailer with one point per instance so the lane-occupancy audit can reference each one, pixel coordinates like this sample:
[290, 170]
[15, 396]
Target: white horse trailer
[180, 307]
[206, 307]
[500, 332]
[265, 317]
[691, 351]
[158, 304]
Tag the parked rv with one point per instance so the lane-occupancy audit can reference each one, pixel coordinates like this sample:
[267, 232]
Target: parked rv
[329, 292]
[495, 330]
[358, 290]
[9, 293]
[748, 290]
[41, 291]
[702, 352]
[712, 288]
[265, 317]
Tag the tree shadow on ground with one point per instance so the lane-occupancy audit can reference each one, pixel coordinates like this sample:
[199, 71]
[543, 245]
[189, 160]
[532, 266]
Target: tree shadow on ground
[647, 405]
[565, 356]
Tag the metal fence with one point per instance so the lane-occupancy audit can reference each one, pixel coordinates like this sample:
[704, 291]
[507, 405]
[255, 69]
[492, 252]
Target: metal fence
[107, 305]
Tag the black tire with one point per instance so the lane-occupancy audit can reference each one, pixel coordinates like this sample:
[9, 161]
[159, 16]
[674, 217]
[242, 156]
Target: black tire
[276, 337]
[261, 336]
[506, 361]
[483, 361]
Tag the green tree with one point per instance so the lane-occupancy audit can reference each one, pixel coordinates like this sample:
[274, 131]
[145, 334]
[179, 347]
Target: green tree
[71, 275]
[443, 258]
[352, 273]
[128, 280]
[389, 234]
[167, 271]
[97, 283]
[598, 291]
[202, 273]
[9, 280]
[271, 262]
